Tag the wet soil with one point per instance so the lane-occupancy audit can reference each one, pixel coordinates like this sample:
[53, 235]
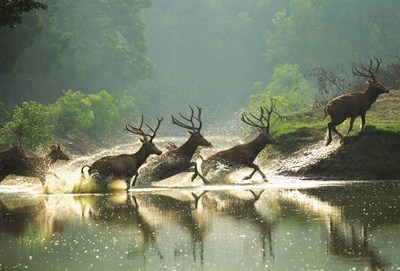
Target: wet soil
[373, 155]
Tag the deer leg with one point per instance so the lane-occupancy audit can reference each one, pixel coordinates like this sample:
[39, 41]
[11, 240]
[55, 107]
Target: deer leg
[351, 125]
[197, 173]
[134, 179]
[363, 121]
[329, 140]
[197, 198]
[256, 168]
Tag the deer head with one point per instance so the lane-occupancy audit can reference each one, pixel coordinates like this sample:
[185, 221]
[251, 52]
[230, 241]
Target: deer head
[263, 122]
[195, 135]
[56, 154]
[145, 138]
[371, 74]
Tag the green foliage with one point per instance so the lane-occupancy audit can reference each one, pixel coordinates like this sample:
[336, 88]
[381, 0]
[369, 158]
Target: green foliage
[105, 113]
[332, 33]
[288, 87]
[4, 114]
[127, 107]
[79, 45]
[32, 124]
[93, 114]
[11, 11]
[74, 111]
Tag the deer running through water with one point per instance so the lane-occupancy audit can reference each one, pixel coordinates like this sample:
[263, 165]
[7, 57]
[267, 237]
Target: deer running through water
[125, 166]
[355, 104]
[243, 155]
[16, 162]
[179, 159]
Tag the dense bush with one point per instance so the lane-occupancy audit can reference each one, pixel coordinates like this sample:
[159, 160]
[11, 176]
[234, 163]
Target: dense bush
[32, 124]
[92, 114]
[105, 114]
[74, 112]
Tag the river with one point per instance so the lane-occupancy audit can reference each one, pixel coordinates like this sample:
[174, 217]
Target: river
[285, 224]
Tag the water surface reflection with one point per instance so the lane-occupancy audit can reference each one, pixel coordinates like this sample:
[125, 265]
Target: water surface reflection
[334, 227]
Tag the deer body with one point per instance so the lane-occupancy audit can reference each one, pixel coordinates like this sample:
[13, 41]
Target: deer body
[353, 105]
[177, 160]
[32, 166]
[172, 162]
[243, 155]
[124, 166]
[239, 156]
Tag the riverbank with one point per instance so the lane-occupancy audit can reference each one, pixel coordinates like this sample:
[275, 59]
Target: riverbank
[373, 155]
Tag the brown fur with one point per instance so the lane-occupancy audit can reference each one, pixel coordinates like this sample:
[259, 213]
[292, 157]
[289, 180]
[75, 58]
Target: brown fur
[18, 163]
[178, 159]
[351, 106]
[243, 155]
[125, 166]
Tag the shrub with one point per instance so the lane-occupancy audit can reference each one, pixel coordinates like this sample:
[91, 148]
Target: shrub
[105, 114]
[74, 111]
[93, 114]
[32, 124]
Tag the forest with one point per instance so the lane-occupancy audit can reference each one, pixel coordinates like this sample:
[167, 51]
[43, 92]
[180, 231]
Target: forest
[91, 67]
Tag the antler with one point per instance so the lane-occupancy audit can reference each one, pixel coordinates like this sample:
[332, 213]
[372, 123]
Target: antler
[140, 132]
[269, 111]
[191, 127]
[369, 72]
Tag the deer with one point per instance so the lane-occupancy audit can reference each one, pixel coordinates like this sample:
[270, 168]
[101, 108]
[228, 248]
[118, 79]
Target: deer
[243, 155]
[15, 162]
[352, 105]
[178, 159]
[125, 166]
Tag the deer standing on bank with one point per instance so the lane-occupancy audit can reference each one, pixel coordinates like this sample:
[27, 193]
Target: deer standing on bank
[16, 162]
[354, 104]
[125, 166]
[179, 159]
[243, 155]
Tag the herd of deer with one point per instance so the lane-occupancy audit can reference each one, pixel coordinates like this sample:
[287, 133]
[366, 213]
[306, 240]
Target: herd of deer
[179, 159]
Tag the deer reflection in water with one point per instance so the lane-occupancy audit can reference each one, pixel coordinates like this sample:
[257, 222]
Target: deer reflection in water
[348, 238]
[19, 220]
[243, 205]
[169, 225]
[345, 241]
[183, 208]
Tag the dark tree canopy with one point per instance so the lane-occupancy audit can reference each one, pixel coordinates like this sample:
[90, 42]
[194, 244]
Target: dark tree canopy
[11, 11]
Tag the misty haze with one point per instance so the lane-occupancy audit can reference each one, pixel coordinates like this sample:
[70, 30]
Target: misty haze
[200, 135]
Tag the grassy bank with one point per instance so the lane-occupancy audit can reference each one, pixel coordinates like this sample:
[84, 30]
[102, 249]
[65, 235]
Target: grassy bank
[374, 154]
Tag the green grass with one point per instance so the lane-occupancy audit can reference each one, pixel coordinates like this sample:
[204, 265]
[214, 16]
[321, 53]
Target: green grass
[298, 130]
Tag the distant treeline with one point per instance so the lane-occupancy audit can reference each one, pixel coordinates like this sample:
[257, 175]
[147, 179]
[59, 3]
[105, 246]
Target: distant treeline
[156, 56]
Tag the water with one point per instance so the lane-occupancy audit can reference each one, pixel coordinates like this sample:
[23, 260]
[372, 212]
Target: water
[285, 224]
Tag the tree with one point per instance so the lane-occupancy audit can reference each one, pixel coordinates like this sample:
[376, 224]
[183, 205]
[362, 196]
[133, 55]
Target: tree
[328, 33]
[11, 11]
[87, 45]
[288, 87]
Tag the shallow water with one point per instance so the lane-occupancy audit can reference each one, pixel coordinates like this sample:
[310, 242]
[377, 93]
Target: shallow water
[286, 224]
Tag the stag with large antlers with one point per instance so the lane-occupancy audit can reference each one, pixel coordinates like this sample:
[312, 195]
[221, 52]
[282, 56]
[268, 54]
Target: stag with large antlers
[177, 160]
[14, 161]
[355, 104]
[125, 166]
[243, 155]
